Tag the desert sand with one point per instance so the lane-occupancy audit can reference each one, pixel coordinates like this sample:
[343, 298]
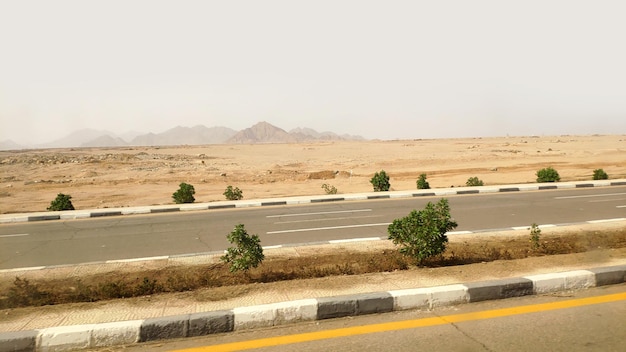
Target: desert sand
[136, 176]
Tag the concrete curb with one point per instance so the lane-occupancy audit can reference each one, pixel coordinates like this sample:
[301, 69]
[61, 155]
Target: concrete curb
[81, 214]
[75, 337]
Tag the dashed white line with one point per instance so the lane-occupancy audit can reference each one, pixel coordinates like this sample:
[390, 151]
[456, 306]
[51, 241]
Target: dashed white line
[15, 235]
[131, 260]
[320, 213]
[328, 228]
[592, 195]
[355, 240]
[605, 220]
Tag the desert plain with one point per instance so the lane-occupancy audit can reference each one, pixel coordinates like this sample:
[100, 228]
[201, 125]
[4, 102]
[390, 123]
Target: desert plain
[147, 175]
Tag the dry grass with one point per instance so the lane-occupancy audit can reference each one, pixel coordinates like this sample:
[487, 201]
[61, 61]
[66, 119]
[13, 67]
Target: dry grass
[22, 292]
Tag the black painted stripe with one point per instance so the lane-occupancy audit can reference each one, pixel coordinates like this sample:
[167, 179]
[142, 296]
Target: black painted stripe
[470, 191]
[423, 194]
[225, 206]
[547, 187]
[509, 189]
[321, 200]
[164, 210]
[584, 185]
[105, 213]
[378, 197]
[44, 217]
[274, 203]
[619, 183]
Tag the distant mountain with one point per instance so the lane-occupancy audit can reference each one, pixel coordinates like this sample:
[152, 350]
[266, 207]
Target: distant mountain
[77, 138]
[186, 136]
[262, 132]
[10, 145]
[105, 141]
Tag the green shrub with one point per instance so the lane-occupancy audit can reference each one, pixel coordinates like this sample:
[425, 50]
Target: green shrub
[247, 252]
[233, 193]
[548, 175]
[473, 182]
[422, 183]
[422, 234]
[184, 194]
[329, 189]
[61, 202]
[380, 181]
[599, 174]
[535, 233]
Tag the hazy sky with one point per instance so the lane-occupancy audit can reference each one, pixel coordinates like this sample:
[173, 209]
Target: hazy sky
[380, 69]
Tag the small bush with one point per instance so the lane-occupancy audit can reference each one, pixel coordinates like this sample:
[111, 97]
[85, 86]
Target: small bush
[548, 175]
[473, 182]
[61, 202]
[329, 189]
[535, 233]
[233, 193]
[184, 194]
[599, 174]
[422, 234]
[380, 181]
[422, 183]
[247, 252]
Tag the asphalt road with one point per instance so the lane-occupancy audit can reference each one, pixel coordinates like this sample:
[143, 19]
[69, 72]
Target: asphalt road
[61, 242]
[586, 320]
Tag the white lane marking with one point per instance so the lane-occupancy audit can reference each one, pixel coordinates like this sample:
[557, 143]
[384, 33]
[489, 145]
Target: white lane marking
[328, 219]
[607, 200]
[528, 227]
[355, 240]
[605, 220]
[22, 269]
[320, 213]
[15, 235]
[459, 233]
[273, 247]
[592, 195]
[621, 206]
[328, 228]
[131, 260]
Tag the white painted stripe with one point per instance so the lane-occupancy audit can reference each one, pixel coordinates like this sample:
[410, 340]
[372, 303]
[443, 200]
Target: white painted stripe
[328, 219]
[320, 213]
[459, 233]
[355, 240]
[131, 260]
[605, 220]
[521, 228]
[546, 226]
[22, 269]
[328, 228]
[15, 235]
[273, 247]
[592, 195]
[621, 206]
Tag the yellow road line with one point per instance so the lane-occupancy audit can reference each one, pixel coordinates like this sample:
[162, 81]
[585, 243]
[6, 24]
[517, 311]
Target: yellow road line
[408, 324]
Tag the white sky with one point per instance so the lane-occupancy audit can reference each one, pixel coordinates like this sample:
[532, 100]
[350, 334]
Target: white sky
[380, 69]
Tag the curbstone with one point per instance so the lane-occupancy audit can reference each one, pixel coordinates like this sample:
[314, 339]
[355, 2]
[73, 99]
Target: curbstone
[275, 314]
[115, 334]
[164, 328]
[447, 295]
[64, 338]
[413, 298]
[498, 289]
[20, 341]
[377, 302]
[201, 324]
[336, 307]
[544, 283]
[609, 275]
[579, 279]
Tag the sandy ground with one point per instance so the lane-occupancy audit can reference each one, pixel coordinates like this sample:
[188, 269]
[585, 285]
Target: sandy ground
[136, 176]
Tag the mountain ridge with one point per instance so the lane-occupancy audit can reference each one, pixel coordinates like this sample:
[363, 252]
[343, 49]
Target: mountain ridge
[261, 132]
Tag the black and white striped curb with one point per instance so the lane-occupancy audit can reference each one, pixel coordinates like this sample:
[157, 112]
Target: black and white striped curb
[76, 337]
[80, 214]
